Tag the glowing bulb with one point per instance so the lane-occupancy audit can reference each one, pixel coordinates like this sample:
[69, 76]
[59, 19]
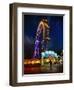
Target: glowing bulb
[47, 60]
[49, 52]
[33, 62]
[43, 54]
[37, 61]
[46, 52]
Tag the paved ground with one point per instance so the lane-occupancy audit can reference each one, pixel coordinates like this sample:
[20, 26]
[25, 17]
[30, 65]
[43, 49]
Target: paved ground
[47, 68]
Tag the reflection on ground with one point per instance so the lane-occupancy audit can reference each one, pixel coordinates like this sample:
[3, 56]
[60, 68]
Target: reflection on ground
[36, 68]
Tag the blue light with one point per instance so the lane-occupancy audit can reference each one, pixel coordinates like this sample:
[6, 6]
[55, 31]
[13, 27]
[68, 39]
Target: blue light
[49, 53]
[55, 54]
[52, 52]
[46, 52]
[43, 54]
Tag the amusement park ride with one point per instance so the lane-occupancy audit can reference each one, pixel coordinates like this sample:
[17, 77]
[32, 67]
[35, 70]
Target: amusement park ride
[42, 42]
[42, 55]
[42, 38]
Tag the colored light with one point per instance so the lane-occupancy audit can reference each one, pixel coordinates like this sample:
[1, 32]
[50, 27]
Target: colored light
[47, 60]
[46, 52]
[43, 54]
[29, 62]
[33, 62]
[37, 61]
[25, 62]
[50, 52]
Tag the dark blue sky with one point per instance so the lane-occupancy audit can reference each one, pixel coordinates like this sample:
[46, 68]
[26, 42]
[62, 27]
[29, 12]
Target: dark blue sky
[30, 28]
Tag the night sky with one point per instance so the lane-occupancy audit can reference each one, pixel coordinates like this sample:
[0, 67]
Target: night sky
[30, 27]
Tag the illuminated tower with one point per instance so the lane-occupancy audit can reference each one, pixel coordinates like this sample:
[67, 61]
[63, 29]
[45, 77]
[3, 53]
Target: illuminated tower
[42, 38]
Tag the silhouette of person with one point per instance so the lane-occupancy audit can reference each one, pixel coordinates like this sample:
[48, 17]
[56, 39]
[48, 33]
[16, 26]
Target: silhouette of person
[50, 64]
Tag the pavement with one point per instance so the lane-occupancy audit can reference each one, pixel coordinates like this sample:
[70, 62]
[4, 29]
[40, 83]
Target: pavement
[46, 68]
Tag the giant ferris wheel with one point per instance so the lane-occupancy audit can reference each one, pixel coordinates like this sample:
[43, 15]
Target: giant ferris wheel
[42, 38]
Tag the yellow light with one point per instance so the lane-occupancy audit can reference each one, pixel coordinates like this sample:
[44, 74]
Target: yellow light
[25, 62]
[33, 62]
[47, 60]
[37, 61]
[29, 62]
